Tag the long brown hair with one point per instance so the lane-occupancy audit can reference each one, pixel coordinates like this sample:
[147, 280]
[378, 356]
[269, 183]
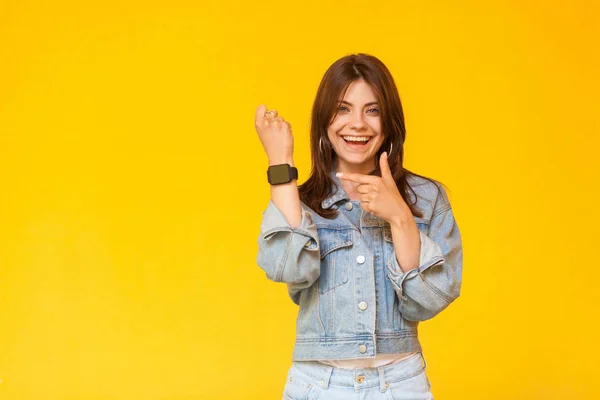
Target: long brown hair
[331, 90]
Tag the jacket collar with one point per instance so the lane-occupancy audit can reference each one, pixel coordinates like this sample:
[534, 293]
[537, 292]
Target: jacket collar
[339, 192]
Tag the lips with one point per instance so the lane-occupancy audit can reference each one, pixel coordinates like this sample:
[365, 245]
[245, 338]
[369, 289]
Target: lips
[356, 145]
[353, 139]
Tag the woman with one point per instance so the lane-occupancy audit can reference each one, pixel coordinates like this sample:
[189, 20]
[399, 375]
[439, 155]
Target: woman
[367, 248]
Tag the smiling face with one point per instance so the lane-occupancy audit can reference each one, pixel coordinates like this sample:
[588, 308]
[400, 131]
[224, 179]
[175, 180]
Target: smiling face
[357, 118]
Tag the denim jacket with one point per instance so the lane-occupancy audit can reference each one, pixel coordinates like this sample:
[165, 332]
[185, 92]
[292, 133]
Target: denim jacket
[354, 299]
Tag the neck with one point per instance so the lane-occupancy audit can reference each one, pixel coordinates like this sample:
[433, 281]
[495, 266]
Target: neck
[350, 187]
[364, 168]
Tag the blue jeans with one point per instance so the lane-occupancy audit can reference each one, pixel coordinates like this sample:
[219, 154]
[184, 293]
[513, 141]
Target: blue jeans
[310, 380]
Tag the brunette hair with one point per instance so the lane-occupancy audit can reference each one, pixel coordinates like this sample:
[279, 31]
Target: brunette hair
[331, 90]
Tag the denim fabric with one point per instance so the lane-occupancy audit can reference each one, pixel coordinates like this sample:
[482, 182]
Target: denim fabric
[310, 380]
[354, 299]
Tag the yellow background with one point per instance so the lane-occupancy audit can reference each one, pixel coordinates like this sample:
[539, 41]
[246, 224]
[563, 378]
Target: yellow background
[132, 184]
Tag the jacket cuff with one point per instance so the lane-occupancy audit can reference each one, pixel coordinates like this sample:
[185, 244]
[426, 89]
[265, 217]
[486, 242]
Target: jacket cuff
[274, 221]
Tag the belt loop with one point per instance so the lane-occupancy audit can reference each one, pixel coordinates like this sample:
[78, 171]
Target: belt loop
[326, 378]
[382, 383]
[424, 362]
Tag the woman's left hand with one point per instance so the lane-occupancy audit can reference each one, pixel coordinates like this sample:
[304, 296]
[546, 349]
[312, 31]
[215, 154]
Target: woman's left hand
[380, 195]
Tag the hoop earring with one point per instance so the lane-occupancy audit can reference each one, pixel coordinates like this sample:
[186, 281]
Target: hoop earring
[320, 147]
[391, 144]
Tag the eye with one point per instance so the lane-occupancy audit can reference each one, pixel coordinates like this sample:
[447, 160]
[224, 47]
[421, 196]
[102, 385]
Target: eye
[343, 108]
[374, 111]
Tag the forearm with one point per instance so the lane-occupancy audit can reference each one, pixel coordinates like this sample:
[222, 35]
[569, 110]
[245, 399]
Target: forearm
[407, 241]
[286, 197]
[288, 245]
[426, 291]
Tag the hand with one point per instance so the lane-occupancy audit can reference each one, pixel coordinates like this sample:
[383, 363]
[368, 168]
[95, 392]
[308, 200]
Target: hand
[380, 195]
[275, 135]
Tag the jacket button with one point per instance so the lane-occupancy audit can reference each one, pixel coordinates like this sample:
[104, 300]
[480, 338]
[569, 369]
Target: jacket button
[360, 259]
[363, 348]
[348, 206]
[360, 378]
[362, 305]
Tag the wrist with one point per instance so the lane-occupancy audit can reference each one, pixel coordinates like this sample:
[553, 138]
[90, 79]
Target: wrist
[283, 160]
[402, 218]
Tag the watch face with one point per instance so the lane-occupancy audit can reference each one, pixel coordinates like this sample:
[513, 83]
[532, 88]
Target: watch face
[279, 173]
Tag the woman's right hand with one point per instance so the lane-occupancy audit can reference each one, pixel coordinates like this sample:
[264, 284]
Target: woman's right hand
[275, 135]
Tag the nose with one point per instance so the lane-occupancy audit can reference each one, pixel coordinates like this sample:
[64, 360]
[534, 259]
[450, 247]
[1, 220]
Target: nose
[357, 120]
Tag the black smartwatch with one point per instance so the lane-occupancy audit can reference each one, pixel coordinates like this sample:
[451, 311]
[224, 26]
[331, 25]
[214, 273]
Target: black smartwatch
[281, 173]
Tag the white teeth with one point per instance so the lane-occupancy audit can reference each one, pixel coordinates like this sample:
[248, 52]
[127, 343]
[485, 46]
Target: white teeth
[356, 138]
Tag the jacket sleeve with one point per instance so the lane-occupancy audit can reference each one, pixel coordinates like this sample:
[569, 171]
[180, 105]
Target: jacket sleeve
[425, 291]
[287, 254]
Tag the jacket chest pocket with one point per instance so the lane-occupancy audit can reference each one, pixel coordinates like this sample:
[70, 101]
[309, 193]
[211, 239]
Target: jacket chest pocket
[336, 247]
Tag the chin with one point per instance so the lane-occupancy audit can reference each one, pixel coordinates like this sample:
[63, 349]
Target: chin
[353, 159]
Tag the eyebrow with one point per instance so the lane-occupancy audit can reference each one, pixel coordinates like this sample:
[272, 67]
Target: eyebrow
[366, 105]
